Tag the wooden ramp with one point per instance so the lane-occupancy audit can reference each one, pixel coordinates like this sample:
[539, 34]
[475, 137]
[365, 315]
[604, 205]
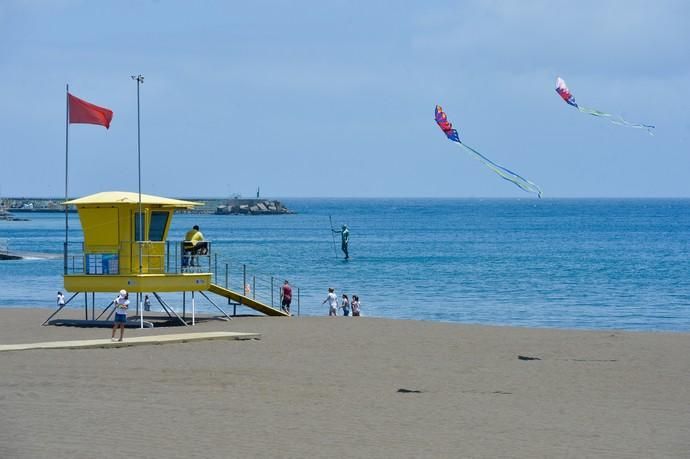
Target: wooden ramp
[246, 301]
[135, 341]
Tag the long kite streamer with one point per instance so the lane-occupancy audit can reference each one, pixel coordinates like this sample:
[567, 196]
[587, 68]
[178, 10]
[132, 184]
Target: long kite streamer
[567, 96]
[452, 134]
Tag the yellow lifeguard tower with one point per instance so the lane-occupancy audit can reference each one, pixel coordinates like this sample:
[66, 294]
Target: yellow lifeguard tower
[114, 257]
[117, 254]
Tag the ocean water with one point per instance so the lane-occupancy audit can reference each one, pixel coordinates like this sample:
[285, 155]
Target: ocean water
[564, 263]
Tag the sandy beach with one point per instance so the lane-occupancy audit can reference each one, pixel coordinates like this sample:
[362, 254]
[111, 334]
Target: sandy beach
[323, 387]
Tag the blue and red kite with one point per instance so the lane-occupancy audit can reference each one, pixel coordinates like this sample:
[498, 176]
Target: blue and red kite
[452, 134]
[567, 96]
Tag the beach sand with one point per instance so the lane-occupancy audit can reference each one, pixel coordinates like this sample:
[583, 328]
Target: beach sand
[322, 387]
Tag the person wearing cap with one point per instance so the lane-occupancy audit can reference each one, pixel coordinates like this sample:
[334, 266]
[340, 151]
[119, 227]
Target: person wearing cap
[344, 239]
[121, 306]
[285, 297]
[194, 243]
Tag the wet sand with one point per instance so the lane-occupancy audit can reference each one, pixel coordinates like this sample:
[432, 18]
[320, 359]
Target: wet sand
[345, 387]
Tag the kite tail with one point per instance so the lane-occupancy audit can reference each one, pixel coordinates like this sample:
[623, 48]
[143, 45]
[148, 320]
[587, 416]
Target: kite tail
[615, 119]
[521, 182]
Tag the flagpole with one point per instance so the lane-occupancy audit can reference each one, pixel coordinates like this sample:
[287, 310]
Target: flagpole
[139, 79]
[66, 248]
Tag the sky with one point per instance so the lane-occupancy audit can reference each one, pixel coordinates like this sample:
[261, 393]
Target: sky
[336, 99]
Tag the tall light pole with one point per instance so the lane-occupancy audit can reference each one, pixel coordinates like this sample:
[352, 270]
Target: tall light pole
[140, 80]
[66, 249]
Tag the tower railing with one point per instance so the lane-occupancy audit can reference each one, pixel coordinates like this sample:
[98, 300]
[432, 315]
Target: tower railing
[158, 257]
[172, 257]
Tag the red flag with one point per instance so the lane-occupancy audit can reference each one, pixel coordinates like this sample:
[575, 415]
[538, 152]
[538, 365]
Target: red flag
[82, 112]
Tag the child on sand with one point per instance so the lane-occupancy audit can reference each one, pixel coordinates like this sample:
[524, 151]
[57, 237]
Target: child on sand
[345, 305]
[121, 305]
[355, 306]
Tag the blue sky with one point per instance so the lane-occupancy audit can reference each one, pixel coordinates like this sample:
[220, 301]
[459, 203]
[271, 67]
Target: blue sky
[336, 99]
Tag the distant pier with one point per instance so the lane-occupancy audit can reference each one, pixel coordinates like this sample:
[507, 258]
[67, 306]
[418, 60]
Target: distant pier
[218, 206]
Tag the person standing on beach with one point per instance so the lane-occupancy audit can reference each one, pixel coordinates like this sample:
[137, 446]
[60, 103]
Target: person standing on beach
[332, 301]
[355, 306]
[147, 303]
[345, 305]
[344, 240]
[121, 306]
[285, 297]
[60, 300]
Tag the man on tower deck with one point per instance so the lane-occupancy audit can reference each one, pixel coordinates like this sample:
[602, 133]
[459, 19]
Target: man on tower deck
[194, 243]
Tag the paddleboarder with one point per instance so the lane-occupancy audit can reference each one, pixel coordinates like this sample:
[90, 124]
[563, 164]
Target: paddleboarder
[344, 239]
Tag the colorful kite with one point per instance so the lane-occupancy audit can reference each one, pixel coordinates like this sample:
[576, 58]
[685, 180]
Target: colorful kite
[452, 134]
[565, 93]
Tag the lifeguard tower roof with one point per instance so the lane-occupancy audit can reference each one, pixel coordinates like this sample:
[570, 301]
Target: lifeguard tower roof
[127, 197]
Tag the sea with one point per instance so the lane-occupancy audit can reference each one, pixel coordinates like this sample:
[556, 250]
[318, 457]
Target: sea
[600, 264]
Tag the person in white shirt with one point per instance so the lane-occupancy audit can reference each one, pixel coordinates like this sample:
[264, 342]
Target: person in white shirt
[332, 301]
[60, 300]
[121, 306]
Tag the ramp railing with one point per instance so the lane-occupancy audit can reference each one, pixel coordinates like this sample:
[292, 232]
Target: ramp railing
[253, 283]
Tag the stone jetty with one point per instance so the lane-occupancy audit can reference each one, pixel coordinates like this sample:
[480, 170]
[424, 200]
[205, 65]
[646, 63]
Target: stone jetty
[252, 207]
